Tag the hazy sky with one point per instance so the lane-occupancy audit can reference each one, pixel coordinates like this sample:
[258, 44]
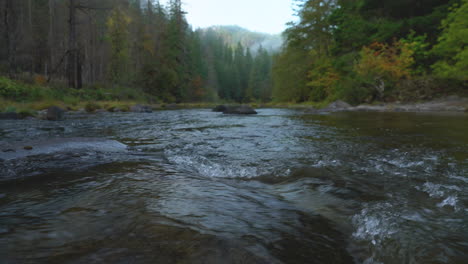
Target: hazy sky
[269, 16]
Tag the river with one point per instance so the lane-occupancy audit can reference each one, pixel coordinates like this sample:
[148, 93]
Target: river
[194, 186]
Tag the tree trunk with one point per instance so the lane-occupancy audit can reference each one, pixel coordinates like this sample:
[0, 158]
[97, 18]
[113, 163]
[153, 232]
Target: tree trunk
[33, 50]
[8, 16]
[73, 68]
[51, 36]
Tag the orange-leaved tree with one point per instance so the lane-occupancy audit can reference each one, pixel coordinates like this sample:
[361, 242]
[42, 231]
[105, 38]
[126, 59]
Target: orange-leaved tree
[383, 64]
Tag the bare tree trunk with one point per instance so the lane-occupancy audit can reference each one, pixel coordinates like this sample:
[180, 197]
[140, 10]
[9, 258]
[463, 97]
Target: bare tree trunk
[73, 69]
[33, 52]
[51, 33]
[8, 18]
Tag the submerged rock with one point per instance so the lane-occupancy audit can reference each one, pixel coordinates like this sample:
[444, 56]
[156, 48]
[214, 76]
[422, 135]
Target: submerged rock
[55, 113]
[34, 158]
[239, 110]
[141, 109]
[338, 105]
[60, 145]
[9, 116]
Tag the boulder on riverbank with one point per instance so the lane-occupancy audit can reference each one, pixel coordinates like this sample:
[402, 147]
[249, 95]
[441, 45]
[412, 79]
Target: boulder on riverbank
[235, 110]
[141, 109]
[447, 104]
[336, 106]
[220, 108]
[55, 113]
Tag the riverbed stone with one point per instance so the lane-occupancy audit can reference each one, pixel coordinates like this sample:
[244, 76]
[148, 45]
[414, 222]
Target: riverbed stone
[55, 113]
[338, 105]
[240, 110]
[220, 108]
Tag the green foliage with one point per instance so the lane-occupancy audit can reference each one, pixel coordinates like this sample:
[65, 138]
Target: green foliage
[322, 78]
[365, 50]
[384, 65]
[91, 107]
[354, 90]
[10, 109]
[236, 74]
[22, 92]
[386, 62]
[15, 90]
[290, 76]
[452, 46]
[152, 54]
[10, 89]
[420, 49]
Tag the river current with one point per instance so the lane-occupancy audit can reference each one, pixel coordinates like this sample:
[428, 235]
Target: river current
[194, 186]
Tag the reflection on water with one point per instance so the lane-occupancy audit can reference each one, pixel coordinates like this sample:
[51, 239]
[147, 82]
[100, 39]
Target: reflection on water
[194, 186]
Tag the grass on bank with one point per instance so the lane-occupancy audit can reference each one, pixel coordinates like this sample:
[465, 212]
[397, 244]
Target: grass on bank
[26, 98]
[30, 97]
[16, 96]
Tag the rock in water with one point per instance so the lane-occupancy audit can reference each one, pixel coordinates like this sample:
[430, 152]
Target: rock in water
[220, 108]
[338, 105]
[9, 115]
[141, 109]
[240, 110]
[55, 113]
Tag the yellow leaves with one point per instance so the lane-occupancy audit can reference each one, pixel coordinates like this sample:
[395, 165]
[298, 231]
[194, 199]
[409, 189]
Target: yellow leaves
[148, 44]
[326, 79]
[323, 78]
[198, 85]
[383, 61]
[118, 36]
[40, 80]
[118, 20]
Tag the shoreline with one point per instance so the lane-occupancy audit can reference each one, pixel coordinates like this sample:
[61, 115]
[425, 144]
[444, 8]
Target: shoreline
[453, 104]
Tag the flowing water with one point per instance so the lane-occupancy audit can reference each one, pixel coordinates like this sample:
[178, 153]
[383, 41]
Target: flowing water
[193, 186]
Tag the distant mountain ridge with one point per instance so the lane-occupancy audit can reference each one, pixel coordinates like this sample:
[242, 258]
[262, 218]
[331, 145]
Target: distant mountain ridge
[253, 40]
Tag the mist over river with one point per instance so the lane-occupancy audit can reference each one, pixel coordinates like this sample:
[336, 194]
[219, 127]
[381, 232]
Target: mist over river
[194, 186]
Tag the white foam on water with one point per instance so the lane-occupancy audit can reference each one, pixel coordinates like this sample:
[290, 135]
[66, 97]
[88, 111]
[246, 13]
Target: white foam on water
[327, 163]
[437, 190]
[209, 168]
[461, 178]
[434, 190]
[449, 201]
[374, 225]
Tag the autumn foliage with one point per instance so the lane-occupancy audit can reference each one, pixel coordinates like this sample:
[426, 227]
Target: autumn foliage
[386, 62]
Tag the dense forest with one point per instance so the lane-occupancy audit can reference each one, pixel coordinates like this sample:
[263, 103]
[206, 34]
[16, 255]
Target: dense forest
[367, 50]
[355, 50]
[129, 43]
